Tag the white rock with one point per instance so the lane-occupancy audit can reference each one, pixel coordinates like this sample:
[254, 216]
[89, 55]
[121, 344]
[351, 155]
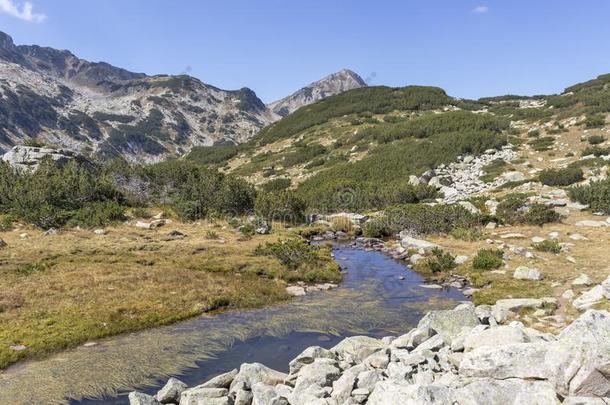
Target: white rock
[459, 260]
[527, 273]
[582, 280]
[296, 291]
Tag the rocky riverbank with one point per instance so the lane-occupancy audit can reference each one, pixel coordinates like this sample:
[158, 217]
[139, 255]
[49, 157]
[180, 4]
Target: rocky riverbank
[468, 355]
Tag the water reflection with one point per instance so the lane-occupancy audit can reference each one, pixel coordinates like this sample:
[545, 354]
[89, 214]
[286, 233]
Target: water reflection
[372, 300]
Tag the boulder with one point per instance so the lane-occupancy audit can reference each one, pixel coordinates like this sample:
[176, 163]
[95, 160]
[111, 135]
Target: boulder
[263, 394]
[205, 396]
[221, 381]
[582, 280]
[468, 206]
[296, 291]
[357, 348]
[138, 398]
[501, 335]
[252, 373]
[459, 260]
[344, 385]
[577, 363]
[515, 304]
[517, 392]
[322, 373]
[448, 323]
[386, 393]
[513, 176]
[527, 273]
[170, 393]
[409, 242]
[308, 356]
[583, 348]
[593, 296]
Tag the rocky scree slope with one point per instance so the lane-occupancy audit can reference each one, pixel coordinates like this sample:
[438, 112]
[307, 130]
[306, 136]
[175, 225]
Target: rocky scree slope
[97, 109]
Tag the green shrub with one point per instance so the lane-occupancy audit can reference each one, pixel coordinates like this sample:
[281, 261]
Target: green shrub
[596, 139]
[513, 209]
[595, 121]
[98, 213]
[467, 234]
[596, 195]
[57, 194]
[561, 177]
[420, 219]
[542, 144]
[596, 151]
[284, 206]
[488, 259]
[548, 245]
[275, 185]
[292, 253]
[439, 261]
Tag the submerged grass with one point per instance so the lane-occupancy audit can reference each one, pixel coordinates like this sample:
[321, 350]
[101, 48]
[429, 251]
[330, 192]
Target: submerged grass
[73, 287]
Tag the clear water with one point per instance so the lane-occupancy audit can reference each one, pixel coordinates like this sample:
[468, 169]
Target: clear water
[372, 300]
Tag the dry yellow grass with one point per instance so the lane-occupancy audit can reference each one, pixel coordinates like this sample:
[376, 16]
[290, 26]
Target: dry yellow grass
[62, 290]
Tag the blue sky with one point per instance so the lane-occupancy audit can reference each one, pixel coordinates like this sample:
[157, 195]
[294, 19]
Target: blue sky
[470, 48]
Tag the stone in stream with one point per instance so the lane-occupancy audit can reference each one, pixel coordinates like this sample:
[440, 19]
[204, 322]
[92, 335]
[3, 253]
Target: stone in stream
[137, 398]
[171, 392]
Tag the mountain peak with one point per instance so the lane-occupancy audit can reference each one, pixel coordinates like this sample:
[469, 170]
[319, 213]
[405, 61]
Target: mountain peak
[330, 85]
[6, 42]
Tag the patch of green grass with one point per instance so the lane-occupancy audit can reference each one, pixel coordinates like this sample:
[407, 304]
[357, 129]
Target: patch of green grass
[493, 170]
[542, 144]
[548, 245]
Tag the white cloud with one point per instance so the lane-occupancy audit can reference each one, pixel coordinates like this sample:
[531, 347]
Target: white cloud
[24, 12]
[480, 9]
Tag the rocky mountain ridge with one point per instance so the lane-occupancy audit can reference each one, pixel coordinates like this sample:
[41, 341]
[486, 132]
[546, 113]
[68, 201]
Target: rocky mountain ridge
[101, 110]
[336, 83]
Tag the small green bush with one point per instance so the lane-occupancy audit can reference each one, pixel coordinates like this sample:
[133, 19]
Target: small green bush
[596, 151]
[467, 234]
[439, 261]
[542, 144]
[596, 195]
[284, 206]
[547, 245]
[596, 139]
[488, 259]
[595, 121]
[515, 210]
[279, 184]
[292, 253]
[561, 177]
